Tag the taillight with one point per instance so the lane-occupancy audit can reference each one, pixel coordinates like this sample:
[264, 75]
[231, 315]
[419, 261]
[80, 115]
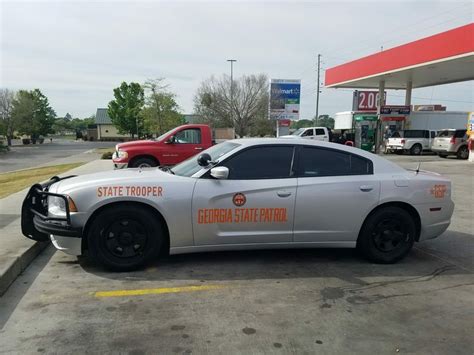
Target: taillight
[402, 141]
[453, 140]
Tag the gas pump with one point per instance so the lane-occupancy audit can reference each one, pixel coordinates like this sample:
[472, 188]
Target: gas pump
[365, 129]
[394, 123]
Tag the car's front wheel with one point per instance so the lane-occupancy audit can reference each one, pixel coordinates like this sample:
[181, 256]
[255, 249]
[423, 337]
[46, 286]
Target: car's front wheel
[124, 238]
[387, 235]
[143, 163]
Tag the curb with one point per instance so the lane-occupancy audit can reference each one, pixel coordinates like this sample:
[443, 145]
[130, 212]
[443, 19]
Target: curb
[17, 265]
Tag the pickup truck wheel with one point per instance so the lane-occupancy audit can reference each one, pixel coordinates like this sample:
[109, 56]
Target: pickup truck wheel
[416, 149]
[398, 151]
[124, 238]
[441, 155]
[387, 235]
[143, 163]
[462, 153]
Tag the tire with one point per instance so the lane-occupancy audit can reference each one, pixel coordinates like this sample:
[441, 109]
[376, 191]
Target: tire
[399, 152]
[387, 235]
[125, 238]
[462, 153]
[417, 149]
[441, 155]
[143, 163]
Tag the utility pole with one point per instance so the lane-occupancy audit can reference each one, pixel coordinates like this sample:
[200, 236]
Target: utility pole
[317, 90]
[231, 85]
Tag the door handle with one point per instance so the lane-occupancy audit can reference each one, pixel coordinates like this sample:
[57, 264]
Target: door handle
[366, 188]
[284, 193]
[198, 148]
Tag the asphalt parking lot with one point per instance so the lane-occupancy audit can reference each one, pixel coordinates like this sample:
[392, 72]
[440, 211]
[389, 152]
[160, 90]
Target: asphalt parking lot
[284, 301]
[33, 155]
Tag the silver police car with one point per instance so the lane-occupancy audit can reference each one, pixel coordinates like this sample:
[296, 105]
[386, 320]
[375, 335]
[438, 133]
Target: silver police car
[243, 194]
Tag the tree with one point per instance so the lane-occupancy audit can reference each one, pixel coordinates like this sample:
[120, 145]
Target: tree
[161, 112]
[125, 110]
[32, 113]
[324, 121]
[249, 102]
[7, 126]
[301, 123]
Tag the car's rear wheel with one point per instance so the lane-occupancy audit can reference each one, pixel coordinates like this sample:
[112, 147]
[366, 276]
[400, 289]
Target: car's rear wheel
[441, 155]
[398, 151]
[124, 238]
[416, 149]
[462, 153]
[143, 163]
[387, 235]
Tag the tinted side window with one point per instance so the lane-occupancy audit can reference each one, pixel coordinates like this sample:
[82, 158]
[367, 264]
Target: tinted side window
[433, 134]
[265, 162]
[319, 132]
[191, 135]
[314, 162]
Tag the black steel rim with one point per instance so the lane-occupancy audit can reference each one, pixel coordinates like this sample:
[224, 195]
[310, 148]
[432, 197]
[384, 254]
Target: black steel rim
[125, 238]
[389, 234]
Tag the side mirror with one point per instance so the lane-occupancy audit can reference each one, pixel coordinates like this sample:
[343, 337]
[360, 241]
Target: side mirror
[220, 172]
[170, 140]
[204, 159]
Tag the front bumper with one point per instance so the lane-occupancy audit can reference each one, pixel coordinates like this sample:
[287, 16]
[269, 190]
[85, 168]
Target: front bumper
[120, 165]
[35, 222]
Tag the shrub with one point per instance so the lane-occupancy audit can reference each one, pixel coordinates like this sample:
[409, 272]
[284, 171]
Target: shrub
[107, 155]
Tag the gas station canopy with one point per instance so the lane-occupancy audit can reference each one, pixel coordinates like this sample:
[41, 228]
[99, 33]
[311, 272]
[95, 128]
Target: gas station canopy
[444, 58]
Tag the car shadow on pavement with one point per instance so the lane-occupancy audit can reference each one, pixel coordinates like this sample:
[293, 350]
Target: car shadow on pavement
[450, 254]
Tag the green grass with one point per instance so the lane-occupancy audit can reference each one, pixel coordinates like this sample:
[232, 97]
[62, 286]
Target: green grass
[18, 180]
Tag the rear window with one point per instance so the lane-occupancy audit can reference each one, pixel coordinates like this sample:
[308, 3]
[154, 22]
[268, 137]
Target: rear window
[416, 133]
[460, 133]
[446, 133]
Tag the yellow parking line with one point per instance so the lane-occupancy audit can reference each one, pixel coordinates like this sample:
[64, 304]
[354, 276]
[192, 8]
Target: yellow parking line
[156, 291]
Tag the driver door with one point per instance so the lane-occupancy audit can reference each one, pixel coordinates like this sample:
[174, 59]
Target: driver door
[255, 204]
[187, 143]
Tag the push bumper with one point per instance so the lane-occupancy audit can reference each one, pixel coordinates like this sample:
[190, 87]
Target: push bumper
[35, 222]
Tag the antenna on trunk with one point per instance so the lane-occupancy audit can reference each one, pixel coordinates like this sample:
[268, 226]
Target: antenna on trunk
[418, 167]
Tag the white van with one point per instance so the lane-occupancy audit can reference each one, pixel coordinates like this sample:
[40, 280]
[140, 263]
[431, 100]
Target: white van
[316, 133]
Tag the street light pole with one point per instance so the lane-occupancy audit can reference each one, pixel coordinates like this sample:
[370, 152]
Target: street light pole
[317, 90]
[231, 85]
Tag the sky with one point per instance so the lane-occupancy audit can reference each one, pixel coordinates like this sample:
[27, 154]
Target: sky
[76, 52]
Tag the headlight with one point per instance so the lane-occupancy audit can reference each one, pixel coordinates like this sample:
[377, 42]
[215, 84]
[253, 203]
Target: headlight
[121, 154]
[57, 206]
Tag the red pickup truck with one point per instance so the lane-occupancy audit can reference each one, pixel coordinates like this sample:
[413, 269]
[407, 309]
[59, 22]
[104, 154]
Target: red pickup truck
[168, 149]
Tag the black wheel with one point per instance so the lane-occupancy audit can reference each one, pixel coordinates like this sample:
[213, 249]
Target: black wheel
[462, 153]
[143, 163]
[124, 238]
[398, 152]
[416, 149]
[441, 155]
[387, 235]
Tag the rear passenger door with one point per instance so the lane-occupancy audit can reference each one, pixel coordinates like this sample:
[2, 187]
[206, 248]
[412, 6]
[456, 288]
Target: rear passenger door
[336, 190]
[321, 135]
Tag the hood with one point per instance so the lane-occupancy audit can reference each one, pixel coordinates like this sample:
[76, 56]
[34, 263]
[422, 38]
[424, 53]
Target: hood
[112, 177]
[139, 143]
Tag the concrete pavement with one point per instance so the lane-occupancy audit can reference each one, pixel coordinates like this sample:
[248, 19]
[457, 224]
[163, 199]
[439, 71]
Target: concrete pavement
[17, 251]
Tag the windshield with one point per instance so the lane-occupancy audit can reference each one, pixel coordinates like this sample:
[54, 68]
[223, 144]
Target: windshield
[190, 167]
[165, 134]
[298, 132]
